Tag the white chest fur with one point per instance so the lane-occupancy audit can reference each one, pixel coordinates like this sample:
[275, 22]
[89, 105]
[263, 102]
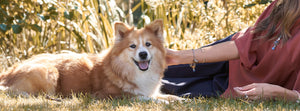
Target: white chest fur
[148, 83]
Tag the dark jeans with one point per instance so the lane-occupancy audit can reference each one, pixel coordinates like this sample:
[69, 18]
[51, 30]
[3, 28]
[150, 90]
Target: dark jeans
[208, 80]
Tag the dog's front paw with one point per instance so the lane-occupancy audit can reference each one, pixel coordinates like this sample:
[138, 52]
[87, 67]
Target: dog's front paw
[171, 98]
[156, 100]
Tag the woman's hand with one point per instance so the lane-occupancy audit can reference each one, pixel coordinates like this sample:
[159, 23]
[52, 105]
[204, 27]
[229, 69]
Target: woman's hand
[257, 91]
[172, 57]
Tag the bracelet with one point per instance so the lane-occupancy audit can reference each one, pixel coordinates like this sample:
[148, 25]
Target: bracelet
[298, 94]
[195, 61]
[203, 60]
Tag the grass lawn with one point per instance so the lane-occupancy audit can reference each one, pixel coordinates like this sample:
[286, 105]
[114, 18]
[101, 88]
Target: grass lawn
[86, 26]
[87, 103]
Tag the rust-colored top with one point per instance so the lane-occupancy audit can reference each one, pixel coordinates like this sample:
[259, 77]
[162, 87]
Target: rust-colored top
[258, 63]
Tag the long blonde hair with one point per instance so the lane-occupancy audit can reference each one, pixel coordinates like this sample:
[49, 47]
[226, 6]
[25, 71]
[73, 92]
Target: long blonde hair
[282, 19]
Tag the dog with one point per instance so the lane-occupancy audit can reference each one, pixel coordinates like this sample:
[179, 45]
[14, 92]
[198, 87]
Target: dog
[132, 67]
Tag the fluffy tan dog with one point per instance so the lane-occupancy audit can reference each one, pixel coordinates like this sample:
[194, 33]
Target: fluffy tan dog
[133, 67]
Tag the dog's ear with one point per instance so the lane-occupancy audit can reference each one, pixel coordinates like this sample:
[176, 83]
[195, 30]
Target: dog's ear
[121, 30]
[157, 28]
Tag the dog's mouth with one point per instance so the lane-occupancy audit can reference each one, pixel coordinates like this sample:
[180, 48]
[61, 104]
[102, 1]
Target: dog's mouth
[143, 65]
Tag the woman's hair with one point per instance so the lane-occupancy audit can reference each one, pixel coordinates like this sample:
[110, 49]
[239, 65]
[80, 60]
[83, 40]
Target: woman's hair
[282, 19]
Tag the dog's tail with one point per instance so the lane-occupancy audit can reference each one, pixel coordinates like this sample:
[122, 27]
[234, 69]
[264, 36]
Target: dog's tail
[3, 88]
[4, 75]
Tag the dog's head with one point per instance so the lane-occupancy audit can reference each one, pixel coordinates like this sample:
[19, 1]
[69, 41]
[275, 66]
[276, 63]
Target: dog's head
[141, 49]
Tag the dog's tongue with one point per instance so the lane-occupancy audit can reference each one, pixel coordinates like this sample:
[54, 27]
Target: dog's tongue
[143, 65]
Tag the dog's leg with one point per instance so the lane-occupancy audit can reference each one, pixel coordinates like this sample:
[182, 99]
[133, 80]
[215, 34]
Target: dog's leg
[54, 99]
[170, 98]
[146, 98]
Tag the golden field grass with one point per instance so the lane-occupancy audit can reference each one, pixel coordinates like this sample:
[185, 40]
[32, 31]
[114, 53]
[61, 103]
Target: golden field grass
[52, 26]
[85, 26]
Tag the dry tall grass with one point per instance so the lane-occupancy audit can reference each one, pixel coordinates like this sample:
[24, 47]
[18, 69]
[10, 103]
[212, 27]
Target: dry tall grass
[51, 26]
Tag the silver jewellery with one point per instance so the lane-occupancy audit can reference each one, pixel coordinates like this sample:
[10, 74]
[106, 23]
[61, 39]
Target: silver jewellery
[203, 60]
[276, 42]
[246, 96]
[298, 94]
[195, 61]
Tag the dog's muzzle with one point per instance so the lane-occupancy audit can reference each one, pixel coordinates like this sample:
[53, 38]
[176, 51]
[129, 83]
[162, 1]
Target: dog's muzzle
[143, 64]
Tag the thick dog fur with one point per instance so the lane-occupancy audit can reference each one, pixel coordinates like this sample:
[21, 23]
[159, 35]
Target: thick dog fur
[134, 66]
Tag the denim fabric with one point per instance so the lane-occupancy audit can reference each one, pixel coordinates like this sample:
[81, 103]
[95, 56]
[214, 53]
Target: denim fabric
[208, 80]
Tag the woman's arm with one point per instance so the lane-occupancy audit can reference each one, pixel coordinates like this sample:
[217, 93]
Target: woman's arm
[257, 91]
[216, 53]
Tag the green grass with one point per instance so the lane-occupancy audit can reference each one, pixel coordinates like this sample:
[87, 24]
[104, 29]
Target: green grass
[87, 103]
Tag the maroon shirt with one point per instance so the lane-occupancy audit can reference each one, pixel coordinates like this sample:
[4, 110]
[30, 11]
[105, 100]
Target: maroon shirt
[258, 63]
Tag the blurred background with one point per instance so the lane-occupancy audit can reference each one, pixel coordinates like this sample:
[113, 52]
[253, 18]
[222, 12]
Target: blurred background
[30, 27]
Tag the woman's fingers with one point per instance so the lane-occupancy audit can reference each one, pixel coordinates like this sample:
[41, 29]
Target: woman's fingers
[171, 57]
[257, 90]
[263, 91]
[248, 87]
[248, 92]
[251, 94]
[245, 90]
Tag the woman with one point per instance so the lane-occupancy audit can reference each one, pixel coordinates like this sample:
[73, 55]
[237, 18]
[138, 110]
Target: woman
[264, 60]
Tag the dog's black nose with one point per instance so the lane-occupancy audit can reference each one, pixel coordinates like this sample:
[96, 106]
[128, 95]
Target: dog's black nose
[143, 55]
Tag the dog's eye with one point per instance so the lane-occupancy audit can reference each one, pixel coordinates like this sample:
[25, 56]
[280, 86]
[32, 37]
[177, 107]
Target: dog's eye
[132, 46]
[148, 44]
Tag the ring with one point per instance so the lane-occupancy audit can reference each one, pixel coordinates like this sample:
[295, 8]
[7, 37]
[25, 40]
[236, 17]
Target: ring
[246, 96]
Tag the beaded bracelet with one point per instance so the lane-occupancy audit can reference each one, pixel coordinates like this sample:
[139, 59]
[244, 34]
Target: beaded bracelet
[195, 61]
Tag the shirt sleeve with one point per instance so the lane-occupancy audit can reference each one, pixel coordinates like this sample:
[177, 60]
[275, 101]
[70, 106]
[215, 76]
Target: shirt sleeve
[244, 39]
